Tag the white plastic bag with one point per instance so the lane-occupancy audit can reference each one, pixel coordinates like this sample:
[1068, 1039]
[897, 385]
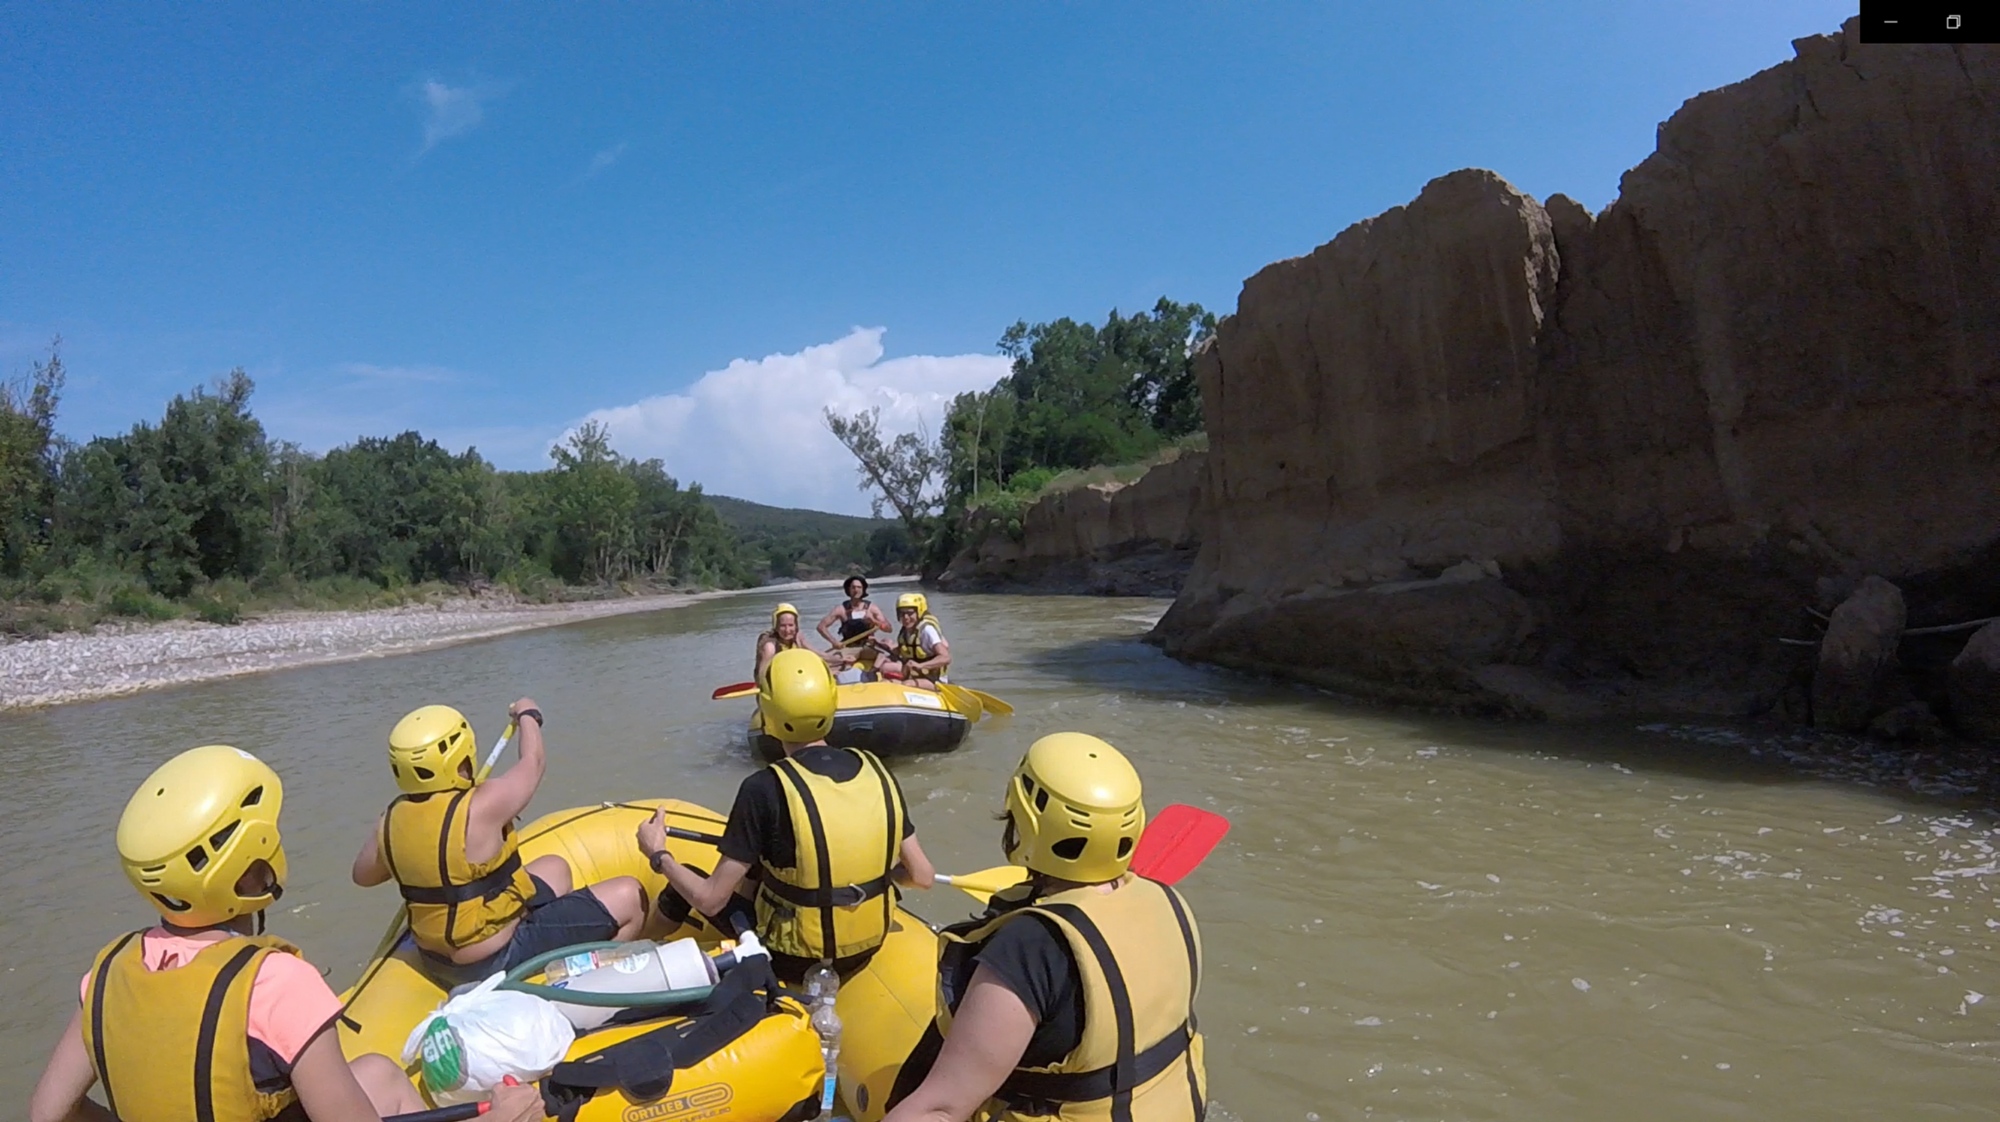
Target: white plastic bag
[483, 1035]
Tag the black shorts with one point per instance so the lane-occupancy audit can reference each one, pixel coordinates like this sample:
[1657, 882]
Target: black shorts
[550, 922]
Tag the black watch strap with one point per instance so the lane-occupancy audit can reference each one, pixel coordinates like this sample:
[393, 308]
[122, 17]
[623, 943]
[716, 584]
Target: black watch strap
[535, 713]
[657, 861]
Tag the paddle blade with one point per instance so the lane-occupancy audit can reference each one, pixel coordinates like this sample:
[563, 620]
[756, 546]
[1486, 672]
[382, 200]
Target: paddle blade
[962, 700]
[997, 706]
[1176, 840]
[740, 689]
[983, 884]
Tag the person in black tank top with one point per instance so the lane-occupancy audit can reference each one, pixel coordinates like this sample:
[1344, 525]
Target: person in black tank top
[853, 617]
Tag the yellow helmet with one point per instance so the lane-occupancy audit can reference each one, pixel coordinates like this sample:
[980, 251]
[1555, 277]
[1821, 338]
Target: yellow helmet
[195, 827]
[1074, 808]
[913, 600]
[782, 609]
[429, 748]
[796, 697]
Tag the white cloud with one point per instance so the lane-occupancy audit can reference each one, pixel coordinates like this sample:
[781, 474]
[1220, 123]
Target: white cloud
[603, 160]
[452, 110]
[753, 429]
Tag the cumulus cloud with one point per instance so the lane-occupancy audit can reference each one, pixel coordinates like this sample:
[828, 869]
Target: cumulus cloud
[753, 429]
[452, 110]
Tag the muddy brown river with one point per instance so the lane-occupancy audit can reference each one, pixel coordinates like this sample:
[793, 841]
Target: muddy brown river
[1414, 917]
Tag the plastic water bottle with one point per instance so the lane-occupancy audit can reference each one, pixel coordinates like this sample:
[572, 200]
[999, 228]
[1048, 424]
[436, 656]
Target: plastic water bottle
[583, 962]
[822, 987]
[637, 967]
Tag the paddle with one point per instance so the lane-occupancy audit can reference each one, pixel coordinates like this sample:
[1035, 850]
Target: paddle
[961, 699]
[740, 689]
[403, 911]
[999, 707]
[1178, 838]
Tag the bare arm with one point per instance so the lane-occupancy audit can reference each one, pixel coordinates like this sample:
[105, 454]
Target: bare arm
[66, 1080]
[326, 1085]
[369, 868]
[940, 657]
[501, 799]
[708, 894]
[916, 869]
[989, 1035]
[832, 618]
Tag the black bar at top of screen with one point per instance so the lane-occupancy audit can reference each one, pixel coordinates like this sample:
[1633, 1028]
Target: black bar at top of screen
[1930, 21]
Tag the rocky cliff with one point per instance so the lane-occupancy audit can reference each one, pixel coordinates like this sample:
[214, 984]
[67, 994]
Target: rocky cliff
[1113, 539]
[1489, 453]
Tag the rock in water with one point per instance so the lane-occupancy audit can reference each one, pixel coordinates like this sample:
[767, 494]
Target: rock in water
[1857, 657]
[1975, 685]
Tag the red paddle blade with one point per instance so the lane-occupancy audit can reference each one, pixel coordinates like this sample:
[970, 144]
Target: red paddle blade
[738, 688]
[1176, 840]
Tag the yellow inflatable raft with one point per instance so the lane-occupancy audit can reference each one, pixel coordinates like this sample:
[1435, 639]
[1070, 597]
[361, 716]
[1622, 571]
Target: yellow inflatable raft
[886, 718]
[770, 1071]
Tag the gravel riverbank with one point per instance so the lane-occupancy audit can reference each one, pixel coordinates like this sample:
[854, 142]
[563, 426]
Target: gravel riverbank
[79, 667]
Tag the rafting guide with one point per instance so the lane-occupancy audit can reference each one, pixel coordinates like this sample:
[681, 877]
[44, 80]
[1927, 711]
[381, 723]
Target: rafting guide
[857, 618]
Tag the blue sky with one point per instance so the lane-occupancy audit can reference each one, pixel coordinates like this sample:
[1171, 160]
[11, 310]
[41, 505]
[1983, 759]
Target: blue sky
[703, 221]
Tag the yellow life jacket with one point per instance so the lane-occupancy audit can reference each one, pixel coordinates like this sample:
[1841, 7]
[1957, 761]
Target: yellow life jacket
[910, 647]
[174, 1045]
[453, 902]
[835, 900]
[1140, 1059]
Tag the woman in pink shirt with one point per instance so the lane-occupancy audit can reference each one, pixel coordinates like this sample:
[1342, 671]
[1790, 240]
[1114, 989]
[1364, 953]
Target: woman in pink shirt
[206, 1017]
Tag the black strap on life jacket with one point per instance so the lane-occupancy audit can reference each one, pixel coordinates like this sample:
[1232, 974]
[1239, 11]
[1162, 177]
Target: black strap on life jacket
[211, 1017]
[1194, 991]
[97, 1018]
[894, 834]
[643, 1066]
[846, 896]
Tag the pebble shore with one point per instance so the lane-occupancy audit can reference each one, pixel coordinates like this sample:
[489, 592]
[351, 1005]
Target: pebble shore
[107, 663]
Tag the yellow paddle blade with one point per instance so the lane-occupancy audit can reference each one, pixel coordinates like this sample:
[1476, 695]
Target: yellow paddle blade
[741, 691]
[999, 707]
[984, 883]
[962, 700]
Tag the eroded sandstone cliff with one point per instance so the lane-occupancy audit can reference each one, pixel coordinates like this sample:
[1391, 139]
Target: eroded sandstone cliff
[1117, 539]
[1484, 452]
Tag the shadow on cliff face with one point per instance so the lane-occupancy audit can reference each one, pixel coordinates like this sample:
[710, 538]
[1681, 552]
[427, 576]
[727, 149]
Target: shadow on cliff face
[1952, 776]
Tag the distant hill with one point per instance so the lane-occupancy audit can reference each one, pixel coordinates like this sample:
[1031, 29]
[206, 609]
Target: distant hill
[792, 544]
[746, 517]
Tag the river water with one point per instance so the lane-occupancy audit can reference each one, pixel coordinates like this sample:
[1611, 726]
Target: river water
[1414, 917]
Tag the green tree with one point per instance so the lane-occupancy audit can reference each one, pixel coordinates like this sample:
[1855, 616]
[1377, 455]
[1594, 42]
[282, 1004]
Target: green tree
[1078, 395]
[182, 500]
[901, 473]
[593, 502]
[29, 459]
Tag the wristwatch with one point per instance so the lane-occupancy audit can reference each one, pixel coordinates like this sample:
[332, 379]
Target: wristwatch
[540, 723]
[657, 861]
